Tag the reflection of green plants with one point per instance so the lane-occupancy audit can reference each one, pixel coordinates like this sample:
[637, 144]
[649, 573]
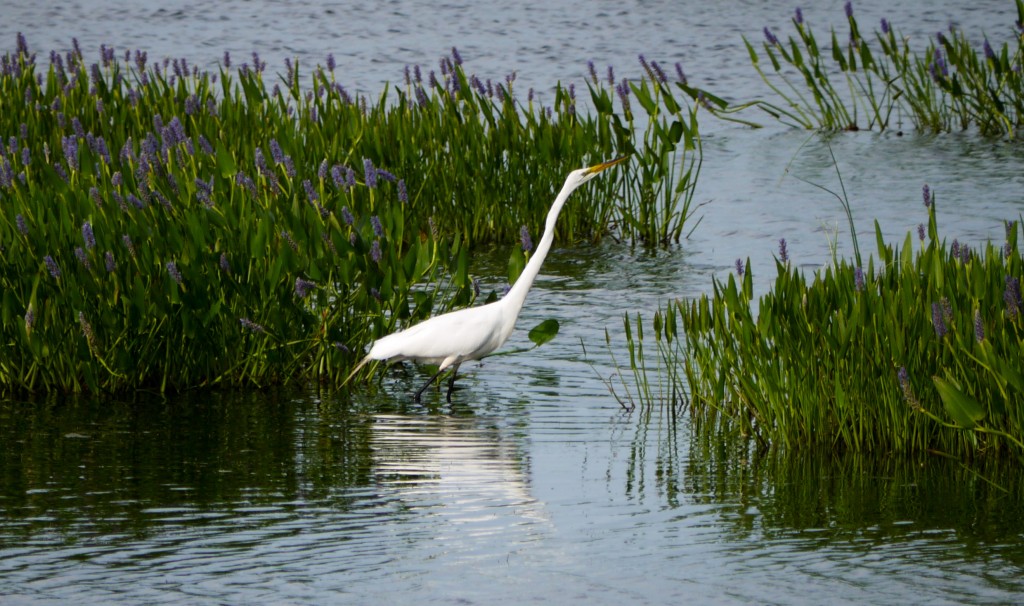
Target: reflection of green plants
[949, 85]
[168, 228]
[846, 359]
[855, 495]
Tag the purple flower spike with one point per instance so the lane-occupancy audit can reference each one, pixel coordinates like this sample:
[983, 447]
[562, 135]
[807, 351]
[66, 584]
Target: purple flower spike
[770, 37]
[403, 196]
[338, 175]
[938, 68]
[979, 326]
[287, 237]
[225, 266]
[87, 235]
[645, 65]
[108, 262]
[275, 152]
[70, 145]
[128, 244]
[848, 9]
[937, 320]
[885, 26]
[63, 174]
[799, 16]
[172, 268]
[375, 252]
[82, 257]
[1012, 296]
[858, 278]
[783, 251]
[346, 215]
[250, 325]
[22, 226]
[302, 287]
[680, 74]
[52, 266]
[203, 143]
[330, 62]
[87, 330]
[926, 193]
[623, 91]
[524, 237]
[660, 73]
[378, 229]
[369, 173]
[740, 268]
[311, 194]
[920, 231]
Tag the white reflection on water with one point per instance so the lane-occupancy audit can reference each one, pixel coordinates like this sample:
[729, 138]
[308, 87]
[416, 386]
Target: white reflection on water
[465, 481]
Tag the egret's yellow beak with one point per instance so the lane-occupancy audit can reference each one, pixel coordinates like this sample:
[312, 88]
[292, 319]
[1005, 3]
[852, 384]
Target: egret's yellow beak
[599, 167]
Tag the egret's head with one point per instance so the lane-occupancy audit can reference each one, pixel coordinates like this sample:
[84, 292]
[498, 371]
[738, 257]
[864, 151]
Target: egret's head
[586, 174]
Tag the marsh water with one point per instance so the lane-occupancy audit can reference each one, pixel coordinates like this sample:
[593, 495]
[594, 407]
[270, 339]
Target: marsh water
[534, 485]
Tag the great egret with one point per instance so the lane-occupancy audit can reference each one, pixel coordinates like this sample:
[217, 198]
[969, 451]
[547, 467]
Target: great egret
[450, 339]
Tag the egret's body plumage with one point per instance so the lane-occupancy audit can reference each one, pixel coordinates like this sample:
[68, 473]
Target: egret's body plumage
[467, 334]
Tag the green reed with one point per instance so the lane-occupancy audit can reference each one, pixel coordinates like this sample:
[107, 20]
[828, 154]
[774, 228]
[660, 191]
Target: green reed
[851, 83]
[921, 353]
[165, 228]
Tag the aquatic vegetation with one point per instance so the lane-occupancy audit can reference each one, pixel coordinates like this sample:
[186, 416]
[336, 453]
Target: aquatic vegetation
[856, 83]
[165, 227]
[920, 352]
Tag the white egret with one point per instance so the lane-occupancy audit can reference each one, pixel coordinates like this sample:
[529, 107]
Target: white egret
[450, 339]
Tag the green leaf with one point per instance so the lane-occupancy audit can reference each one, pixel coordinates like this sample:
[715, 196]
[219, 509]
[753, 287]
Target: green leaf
[964, 409]
[225, 162]
[544, 332]
[516, 264]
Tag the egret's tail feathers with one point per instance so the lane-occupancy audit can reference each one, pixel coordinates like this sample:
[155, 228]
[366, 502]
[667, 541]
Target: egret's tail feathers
[355, 370]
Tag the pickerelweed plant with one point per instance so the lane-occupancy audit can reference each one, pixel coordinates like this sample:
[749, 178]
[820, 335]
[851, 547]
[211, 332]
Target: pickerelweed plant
[163, 227]
[852, 83]
[921, 353]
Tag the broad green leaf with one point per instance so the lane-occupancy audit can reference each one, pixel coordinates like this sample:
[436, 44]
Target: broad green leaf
[225, 162]
[544, 332]
[964, 409]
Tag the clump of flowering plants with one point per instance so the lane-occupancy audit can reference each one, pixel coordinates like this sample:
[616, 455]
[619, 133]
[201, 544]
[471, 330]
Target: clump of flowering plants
[155, 235]
[863, 81]
[167, 227]
[921, 352]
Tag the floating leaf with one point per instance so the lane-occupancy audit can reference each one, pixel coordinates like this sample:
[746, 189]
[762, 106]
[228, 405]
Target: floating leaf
[544, 332]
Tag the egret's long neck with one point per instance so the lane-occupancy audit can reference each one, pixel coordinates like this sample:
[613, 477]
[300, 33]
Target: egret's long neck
[517, 294]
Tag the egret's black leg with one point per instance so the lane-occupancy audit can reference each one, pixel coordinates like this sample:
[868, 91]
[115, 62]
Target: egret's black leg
[451, 383]
[416, 398]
